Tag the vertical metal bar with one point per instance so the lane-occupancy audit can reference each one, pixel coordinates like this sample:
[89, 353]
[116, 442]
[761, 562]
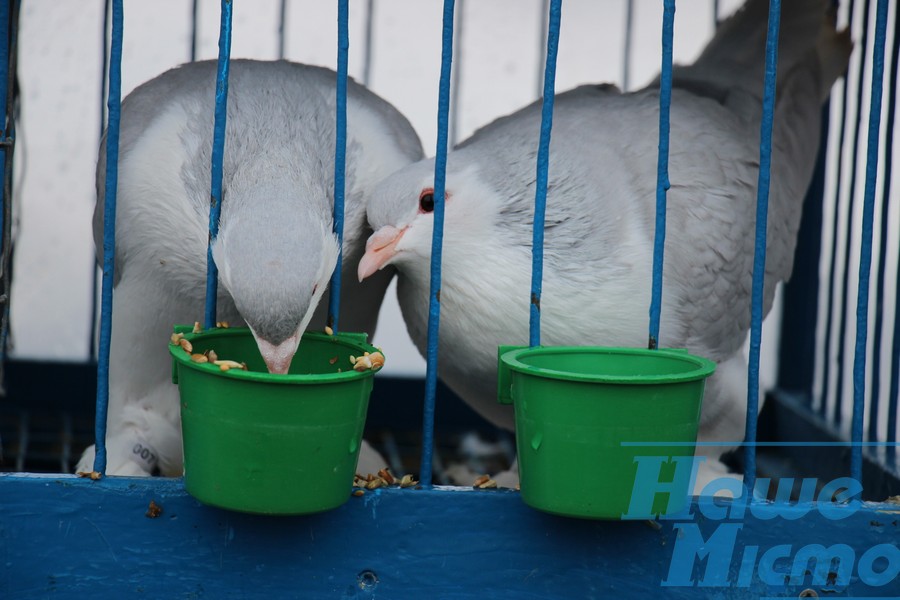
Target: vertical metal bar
[865, 259]
[5, 199]
[885, 197]
[456, 73]
[8, 59]
[195, 11]
[759, 255]
[95, 269]
[282, 33]
[895, 379]
[662, 170]
[370, 40]
[65, 442]
[24, 440]
[218, 157]
[894, 393]
[340, 159]
[109, 232]
[626, 54]
[542, 65]
[543, 169]
[845, 284]
[434, 297]
[835, 229]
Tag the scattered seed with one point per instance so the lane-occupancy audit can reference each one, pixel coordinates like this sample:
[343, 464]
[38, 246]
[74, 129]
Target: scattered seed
[186, 345]
[154, 510]
[377, 360]
[225, 365]
[199, 358]
[490, 484]
[329, 330]
[89, 474]
[333, 360]
[375, 483]
[211, 356]
[386, 475]
[176, 338]
[197, 328]
[384, 478]
[359, 493]
[367, 361]
[481, 479]
[222, 324]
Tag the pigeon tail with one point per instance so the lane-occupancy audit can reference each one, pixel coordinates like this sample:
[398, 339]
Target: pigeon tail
[812, 54]
[833, 50]
[735, 58]
[797, 133]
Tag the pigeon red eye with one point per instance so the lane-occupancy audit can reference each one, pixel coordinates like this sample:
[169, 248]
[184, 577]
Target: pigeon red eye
[426, 201]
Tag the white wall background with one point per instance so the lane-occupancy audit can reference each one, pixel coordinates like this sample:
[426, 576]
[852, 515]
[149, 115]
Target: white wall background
[60, 71]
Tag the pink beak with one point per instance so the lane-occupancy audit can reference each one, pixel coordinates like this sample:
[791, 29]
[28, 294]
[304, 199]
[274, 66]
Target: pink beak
[278, 358]
[380, 249]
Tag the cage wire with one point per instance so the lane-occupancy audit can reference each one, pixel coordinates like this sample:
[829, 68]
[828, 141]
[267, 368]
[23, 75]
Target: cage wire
[832, 384]
[9, 20]
[434, 294]
[109, 232]
[845, 212]
[865, 261]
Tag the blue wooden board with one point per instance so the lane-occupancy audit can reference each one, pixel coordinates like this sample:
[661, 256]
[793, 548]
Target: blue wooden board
[65, 537]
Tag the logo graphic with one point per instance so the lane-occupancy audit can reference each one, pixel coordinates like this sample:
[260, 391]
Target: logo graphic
[709, 551]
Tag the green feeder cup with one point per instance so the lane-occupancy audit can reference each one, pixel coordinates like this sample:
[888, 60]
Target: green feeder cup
[582, 413]
[272, 444]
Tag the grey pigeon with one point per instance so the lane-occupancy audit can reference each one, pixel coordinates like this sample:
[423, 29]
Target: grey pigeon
[600, 216]
[275, 250]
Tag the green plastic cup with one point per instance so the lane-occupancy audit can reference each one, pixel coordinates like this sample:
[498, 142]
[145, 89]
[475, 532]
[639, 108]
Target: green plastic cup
[272, 444]
[578, 411]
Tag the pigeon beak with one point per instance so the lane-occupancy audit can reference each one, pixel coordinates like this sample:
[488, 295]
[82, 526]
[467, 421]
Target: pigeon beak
[380, 249]
[278, 357]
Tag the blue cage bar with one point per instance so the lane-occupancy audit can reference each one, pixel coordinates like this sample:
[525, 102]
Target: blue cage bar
[75, 536]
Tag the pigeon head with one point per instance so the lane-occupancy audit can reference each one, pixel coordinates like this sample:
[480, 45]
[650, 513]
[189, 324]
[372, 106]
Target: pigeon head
[401, 211]
[276, 264]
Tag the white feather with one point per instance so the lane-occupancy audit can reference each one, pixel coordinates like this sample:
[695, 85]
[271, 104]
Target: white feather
[275, 239]
[600, 215]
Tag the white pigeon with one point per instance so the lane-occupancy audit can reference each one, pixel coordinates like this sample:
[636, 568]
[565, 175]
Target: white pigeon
[600, 216]
[275, 250]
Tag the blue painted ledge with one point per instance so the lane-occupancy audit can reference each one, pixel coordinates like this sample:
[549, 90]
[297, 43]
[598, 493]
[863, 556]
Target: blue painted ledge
[65, 537]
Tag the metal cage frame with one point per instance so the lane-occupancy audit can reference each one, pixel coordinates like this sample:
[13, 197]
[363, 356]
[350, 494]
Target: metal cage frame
[123, 537]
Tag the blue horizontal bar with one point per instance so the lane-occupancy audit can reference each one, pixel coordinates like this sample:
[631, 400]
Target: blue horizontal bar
[57, 543]
[766, 444]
